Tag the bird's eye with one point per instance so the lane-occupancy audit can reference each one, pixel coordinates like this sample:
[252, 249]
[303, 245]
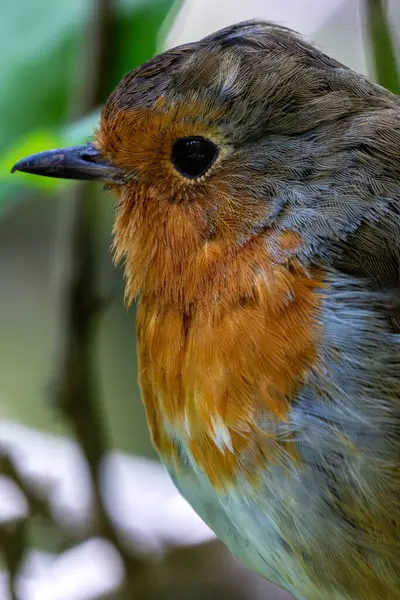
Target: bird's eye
[193, 156]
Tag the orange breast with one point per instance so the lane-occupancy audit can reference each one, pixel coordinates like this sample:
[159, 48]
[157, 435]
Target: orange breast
[240, 351]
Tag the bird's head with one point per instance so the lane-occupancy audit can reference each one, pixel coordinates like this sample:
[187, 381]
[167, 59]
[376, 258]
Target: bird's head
[211, 144]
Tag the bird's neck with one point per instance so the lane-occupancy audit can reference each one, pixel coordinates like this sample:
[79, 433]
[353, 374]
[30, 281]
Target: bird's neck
[171, 255]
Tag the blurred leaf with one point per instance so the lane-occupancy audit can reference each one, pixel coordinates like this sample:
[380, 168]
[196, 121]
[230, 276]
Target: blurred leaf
[38, 45]
[36, 141]
[382, 43]
[80, 131]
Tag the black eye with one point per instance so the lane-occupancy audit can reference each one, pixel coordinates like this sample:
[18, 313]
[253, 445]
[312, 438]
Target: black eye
[193, 156]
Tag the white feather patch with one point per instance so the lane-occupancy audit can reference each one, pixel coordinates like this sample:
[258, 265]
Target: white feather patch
[220, 435]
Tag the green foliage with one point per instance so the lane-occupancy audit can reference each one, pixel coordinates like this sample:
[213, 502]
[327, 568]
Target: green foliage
[40, 42]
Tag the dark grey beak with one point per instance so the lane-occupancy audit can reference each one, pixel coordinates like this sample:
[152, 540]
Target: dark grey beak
[75, 162]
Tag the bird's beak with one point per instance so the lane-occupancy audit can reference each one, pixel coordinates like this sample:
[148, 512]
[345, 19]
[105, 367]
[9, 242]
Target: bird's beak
[75, 162]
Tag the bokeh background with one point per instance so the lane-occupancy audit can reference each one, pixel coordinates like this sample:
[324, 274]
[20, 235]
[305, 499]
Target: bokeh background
[86, 511]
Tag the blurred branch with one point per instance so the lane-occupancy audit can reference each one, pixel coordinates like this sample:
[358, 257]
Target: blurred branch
[76, 394]
[383, 48]
[97, 59]
[12, 531]
[13, 545]
[38, 503]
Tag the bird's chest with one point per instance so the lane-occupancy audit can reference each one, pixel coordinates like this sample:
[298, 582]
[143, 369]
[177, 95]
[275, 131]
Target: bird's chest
[210, 377]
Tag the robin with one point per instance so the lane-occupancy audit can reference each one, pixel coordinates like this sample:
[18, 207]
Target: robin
[258, 215]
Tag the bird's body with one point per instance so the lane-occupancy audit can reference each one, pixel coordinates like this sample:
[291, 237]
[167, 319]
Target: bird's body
[259, 219]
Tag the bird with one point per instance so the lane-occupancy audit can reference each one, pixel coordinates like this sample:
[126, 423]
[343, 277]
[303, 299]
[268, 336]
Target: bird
[257, 186]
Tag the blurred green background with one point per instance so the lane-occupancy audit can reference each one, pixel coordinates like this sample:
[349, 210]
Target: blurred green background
[46, 45]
